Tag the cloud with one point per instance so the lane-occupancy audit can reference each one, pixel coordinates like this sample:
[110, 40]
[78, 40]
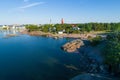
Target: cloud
[23, 8]
[31, 5]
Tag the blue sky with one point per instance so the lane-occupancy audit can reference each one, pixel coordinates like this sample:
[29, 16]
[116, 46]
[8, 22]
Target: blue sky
[73, 11]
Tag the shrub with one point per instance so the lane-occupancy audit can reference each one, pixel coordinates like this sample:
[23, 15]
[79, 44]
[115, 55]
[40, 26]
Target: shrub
[112, 53]
[95, 41]
[32, 27]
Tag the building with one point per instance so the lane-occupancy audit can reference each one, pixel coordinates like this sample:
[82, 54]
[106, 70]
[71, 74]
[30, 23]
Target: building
[5, 27]
[20, 27]
[1, 26]
[62, 21]
[75, 27]
[60, 32]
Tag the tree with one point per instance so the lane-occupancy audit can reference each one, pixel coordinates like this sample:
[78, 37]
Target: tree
[112, 52]
[46, 28]
[88, 27]
[32, 27]
[95, 41]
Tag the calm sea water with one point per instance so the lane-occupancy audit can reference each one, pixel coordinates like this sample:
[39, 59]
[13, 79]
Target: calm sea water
[36, 58]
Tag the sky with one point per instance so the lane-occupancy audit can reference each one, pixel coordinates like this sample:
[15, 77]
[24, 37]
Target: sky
[72, 11]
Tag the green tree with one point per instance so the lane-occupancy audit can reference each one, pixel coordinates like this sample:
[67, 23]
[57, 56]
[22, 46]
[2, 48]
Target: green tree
[32, 27]
[112, 52]
[88, 27]
[95, 41]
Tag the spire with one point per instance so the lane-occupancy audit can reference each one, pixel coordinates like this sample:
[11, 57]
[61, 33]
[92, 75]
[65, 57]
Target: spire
[50, 21]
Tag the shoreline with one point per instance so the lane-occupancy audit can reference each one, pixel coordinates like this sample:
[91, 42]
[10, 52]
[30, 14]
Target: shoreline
[64, 35]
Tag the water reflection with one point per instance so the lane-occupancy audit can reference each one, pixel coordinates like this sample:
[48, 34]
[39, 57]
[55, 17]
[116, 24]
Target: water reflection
[4, 33]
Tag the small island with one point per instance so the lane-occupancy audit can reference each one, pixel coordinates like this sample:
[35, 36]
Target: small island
[73, 45]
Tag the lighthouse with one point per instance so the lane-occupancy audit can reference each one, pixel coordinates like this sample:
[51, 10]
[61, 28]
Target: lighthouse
[62, 21]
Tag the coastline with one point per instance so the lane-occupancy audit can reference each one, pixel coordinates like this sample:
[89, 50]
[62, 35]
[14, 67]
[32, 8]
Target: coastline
[64, 35]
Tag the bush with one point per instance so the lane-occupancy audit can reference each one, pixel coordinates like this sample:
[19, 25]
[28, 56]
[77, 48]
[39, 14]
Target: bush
[76, 31]
[95, 41]
[32, 27]
[112, 53]
[89, 37]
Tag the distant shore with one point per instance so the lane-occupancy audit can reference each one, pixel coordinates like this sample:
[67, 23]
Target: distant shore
[64, 35]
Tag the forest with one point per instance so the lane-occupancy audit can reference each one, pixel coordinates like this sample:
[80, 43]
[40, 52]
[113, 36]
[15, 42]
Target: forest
[75, 28]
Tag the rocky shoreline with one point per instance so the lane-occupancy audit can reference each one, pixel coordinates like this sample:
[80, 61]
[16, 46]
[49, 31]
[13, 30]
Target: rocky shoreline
[64, 35]
[92, 62]
[73, 45]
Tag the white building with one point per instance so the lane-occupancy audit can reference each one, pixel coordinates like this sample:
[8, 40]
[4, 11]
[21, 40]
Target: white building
[5, 27]
[60, 32]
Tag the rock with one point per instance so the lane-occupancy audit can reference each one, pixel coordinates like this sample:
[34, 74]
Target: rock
[73, 45]
[55, 37]
[87, 76]
[72, 67]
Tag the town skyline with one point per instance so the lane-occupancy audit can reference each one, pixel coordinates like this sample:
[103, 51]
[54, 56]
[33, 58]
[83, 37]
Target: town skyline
[40, 12]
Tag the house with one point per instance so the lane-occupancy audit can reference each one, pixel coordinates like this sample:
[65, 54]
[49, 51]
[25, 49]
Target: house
[5, 27]
[13, 27]
[1, 26]
[17, 27]
[75, 27]
[20, 27]
[60, 32]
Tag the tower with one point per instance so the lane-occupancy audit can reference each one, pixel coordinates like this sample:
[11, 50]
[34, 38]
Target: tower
[50, 21]
[62, 21]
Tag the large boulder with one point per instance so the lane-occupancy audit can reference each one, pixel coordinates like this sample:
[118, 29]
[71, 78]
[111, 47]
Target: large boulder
[73, 45]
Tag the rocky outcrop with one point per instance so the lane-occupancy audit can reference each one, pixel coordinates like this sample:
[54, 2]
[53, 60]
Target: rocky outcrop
[88, 76]
[73, 45]
[64, 35]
